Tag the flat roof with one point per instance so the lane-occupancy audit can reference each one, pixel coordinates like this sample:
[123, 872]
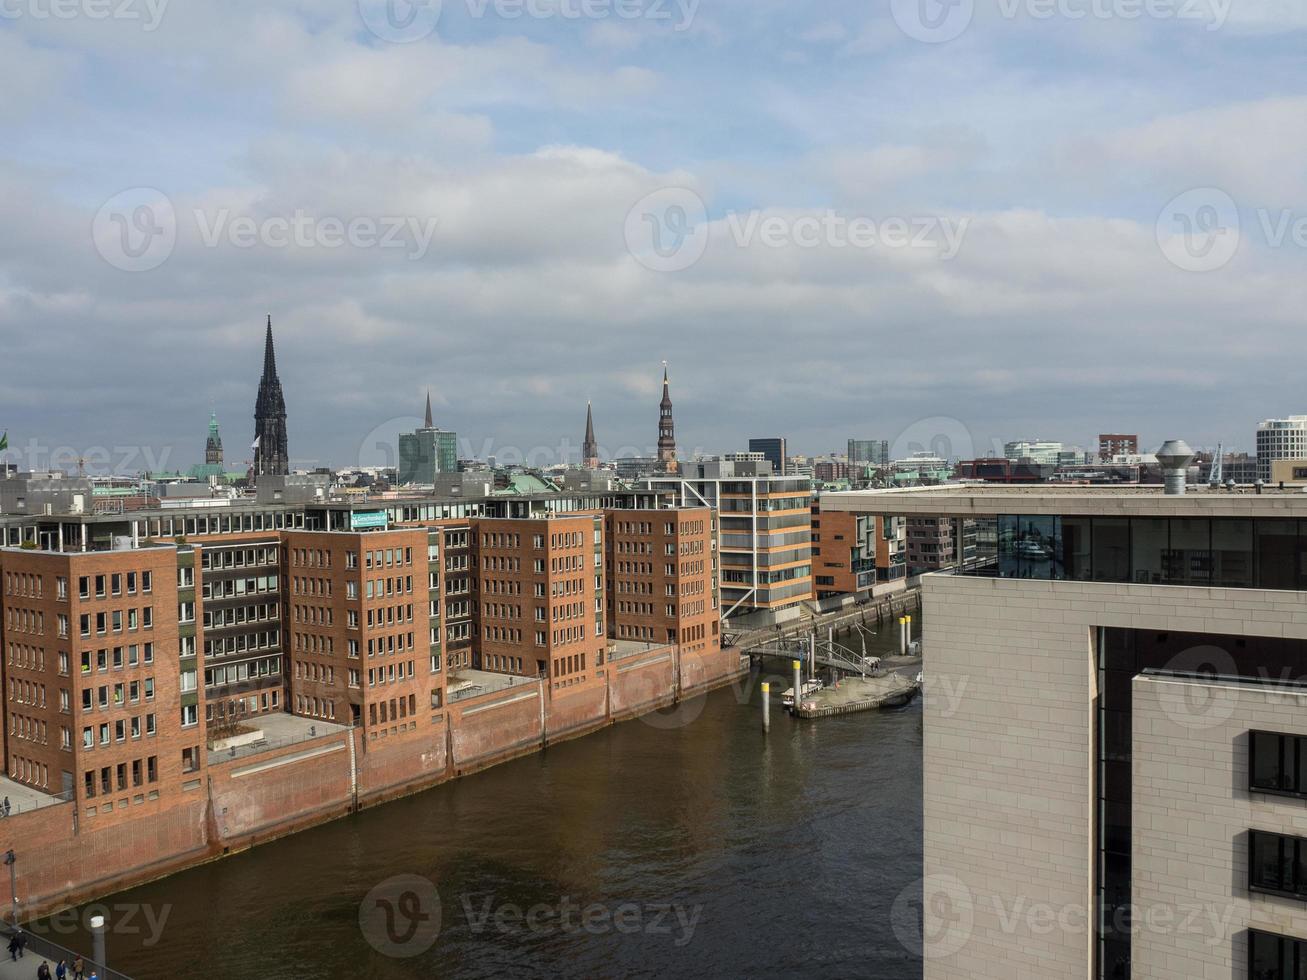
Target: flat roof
[973, 500]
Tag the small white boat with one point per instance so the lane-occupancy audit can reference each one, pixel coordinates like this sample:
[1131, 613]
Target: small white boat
[810, 687]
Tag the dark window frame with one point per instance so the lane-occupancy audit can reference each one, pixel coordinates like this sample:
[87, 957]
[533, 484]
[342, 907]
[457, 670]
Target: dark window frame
[1291, 944]
[1300, 746]
[1296, 860]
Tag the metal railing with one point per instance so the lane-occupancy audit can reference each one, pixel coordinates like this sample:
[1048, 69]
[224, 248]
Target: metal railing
[478, 688]
[316, 731]
[38, 947]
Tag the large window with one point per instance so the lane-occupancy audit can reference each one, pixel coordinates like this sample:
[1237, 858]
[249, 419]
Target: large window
[1277, 763]
[1272, 957]
[1235, 552]
[1277, 864]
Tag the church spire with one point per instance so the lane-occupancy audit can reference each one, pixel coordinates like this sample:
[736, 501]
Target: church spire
[429, 423]
[590, 447]
[271, 455]
[666, 430]
[269, 354]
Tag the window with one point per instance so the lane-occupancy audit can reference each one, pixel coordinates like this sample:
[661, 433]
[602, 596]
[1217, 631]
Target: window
[1272, 957]
[1277, 763]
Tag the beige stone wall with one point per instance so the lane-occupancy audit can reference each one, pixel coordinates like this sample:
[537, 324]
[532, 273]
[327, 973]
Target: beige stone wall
[1008, 758]
[1192, 814]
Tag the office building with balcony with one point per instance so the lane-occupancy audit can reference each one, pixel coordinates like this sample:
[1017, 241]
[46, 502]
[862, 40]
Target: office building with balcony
[1113, 742]
[764, 539]
[843, 553]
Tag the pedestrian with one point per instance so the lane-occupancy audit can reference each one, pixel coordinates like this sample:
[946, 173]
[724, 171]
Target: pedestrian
[79, 969]
[6, 806]
[61, 971]
[43, 971]
[22, 941]
[13, 947]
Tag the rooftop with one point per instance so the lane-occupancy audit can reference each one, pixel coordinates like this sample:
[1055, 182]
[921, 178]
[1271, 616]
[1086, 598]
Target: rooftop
[971, 499]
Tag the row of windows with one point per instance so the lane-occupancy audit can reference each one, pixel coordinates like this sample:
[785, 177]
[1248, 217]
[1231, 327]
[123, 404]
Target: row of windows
[119, 730]
[112, 780]
[111, 584]
[227, 588]
[214, 558]
[113, 620]
[131, 655]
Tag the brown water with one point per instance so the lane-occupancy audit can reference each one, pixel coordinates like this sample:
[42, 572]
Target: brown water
[681, 845]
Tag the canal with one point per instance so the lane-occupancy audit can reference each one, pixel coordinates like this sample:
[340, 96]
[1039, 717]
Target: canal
[684, 844]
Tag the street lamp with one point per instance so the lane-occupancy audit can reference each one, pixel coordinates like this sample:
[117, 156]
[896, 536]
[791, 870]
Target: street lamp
[12, 861]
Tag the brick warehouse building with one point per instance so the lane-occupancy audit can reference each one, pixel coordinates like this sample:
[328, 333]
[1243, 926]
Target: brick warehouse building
[175, 629]
[98, 702]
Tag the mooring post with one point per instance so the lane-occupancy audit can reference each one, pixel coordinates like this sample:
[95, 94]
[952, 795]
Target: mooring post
[798, 684]
[766, 707]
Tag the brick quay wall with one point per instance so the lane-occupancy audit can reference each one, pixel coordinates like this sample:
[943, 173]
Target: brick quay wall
[258, 796]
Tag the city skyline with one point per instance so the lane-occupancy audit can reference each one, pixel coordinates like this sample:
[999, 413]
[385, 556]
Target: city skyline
[1059, 313]
[950, 437]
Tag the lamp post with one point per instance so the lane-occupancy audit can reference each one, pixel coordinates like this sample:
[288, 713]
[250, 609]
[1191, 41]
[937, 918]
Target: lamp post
[12, 861]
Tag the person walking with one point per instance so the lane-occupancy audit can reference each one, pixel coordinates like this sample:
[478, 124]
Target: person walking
[79, 969]
[61, 970]
[43, 971]
[13, 947]
[22, 941]
[6, 804]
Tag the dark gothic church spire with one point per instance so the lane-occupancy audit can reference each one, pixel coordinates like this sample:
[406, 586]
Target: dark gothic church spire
[271, 456]
[590, 447]
[429, 423]
[666, 430]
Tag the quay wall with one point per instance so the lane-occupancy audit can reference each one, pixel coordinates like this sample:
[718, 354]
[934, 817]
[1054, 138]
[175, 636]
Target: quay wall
[251, 797]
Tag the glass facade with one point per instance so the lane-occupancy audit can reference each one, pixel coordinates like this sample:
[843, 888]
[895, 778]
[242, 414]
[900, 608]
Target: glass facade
[1234, 552]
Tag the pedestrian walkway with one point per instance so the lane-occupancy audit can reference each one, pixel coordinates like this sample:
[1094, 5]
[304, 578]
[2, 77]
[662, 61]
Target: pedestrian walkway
[38, 949]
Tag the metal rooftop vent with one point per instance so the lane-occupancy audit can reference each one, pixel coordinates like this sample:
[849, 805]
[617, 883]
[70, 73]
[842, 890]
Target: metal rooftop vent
[1174, 457]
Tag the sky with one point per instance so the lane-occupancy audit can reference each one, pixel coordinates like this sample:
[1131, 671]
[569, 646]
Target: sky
[944, 223]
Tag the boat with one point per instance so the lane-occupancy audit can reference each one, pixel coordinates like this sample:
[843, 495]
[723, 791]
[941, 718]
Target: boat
[810, 687]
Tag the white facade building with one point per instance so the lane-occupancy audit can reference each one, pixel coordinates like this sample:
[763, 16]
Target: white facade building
[1280, 439]
[1115, 737]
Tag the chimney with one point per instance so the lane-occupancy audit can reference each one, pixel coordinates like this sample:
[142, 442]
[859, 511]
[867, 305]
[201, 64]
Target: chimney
[1174, 457]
